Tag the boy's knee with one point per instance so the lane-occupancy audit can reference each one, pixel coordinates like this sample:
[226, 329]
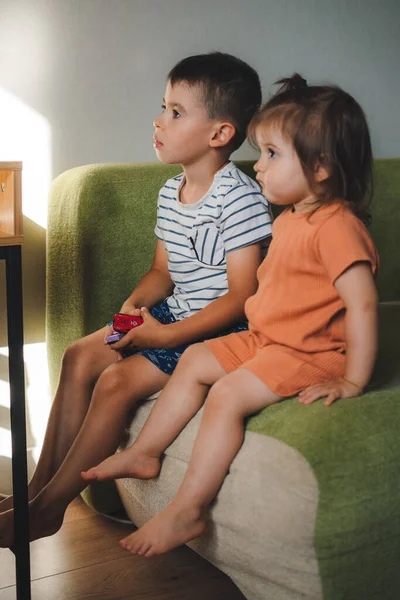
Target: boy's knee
[112, 383]
[74, 355]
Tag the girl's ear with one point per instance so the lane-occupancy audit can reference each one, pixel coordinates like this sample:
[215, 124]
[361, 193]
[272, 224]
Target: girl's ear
[322, 170]
[222, 135]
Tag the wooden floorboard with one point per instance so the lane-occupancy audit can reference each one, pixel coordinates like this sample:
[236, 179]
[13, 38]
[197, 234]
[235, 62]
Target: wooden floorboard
[84, 561]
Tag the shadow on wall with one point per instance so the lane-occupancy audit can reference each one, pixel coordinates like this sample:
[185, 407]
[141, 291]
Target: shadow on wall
[33, 285]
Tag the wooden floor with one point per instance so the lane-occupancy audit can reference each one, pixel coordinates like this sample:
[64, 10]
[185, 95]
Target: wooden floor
[84, 561]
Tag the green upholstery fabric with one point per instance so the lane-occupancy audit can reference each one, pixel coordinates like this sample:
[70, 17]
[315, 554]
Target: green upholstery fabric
[100, 242]
[354, 451]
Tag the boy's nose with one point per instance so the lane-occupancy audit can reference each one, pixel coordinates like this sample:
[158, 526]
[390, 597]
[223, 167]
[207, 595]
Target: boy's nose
[157, 121]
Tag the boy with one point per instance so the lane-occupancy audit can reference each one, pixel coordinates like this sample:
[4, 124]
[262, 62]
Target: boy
[211, 224]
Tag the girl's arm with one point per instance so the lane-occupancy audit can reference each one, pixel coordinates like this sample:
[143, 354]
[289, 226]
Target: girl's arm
[357, 289]
[220, 314]
[154, 286]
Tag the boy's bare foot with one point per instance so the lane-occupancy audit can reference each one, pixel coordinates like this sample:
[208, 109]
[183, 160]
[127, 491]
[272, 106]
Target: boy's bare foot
[166, 531]
[125, 464]
[6, 504]
[42, 523]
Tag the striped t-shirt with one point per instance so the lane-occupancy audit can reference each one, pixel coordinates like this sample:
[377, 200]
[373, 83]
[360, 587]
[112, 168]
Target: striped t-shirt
[232, 214]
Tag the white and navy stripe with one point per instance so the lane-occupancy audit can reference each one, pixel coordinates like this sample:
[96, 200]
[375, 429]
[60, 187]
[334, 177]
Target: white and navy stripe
[197, 237]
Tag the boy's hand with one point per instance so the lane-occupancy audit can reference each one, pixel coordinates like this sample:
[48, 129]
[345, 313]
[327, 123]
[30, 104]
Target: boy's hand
[151, 334]
[333, 390]
[130, 309]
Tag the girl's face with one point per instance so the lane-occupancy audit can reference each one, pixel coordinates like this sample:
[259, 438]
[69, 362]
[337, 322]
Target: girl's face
[279, 171]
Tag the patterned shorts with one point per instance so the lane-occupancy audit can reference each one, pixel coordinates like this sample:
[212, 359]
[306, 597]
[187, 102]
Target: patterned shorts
[166, 359]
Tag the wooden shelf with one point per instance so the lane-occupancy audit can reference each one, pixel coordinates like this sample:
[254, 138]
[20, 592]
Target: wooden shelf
[10, 204]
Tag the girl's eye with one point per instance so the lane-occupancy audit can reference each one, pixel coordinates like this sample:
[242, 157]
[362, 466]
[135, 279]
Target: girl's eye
[176, 114]
[271, 153]
[163, 107]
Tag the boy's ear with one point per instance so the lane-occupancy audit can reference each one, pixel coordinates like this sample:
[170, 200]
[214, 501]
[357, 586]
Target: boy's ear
[322, 170]
[222, 134]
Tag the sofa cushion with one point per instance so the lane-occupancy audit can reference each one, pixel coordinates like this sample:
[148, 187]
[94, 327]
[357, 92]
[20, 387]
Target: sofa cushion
[311, 498]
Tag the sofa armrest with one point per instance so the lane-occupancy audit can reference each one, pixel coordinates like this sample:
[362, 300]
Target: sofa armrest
[100, 242]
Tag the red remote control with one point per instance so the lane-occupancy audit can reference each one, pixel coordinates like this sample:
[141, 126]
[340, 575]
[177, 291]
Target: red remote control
[124, 323]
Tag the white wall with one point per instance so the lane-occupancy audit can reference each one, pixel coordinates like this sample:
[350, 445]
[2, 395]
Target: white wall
[82, 80]
[95, 69]
[89, 75]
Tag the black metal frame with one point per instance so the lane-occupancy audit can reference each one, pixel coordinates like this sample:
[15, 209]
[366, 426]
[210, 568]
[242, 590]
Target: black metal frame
[12, 256]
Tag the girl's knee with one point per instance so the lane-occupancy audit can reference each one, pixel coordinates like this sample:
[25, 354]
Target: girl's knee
[192, 354]
[221, 396]
[191, 360]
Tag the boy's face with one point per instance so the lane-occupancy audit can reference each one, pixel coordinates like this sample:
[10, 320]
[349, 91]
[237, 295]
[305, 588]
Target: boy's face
[183, 130]
[279, 171]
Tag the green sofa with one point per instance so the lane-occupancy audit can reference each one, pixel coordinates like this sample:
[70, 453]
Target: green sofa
[311, 506]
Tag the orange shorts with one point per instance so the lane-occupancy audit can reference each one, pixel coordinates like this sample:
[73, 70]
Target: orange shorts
[284, 370]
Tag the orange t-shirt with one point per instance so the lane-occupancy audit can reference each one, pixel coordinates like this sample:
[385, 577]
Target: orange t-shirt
[296, 304]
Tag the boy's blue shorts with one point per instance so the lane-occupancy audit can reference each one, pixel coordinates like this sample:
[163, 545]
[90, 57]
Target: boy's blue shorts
[167, 359]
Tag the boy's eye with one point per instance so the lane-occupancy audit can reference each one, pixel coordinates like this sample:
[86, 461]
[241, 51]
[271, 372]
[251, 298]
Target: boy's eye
[176, 114]
[271, 153]
[163, 107]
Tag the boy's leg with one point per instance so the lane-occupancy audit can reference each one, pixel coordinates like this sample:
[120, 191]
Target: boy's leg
[180, 400]
[83, 362]
[117, 389]
[220, 437]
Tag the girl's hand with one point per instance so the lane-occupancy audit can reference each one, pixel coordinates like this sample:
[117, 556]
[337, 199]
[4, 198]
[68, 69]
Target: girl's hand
[333, 390]
[151, 334]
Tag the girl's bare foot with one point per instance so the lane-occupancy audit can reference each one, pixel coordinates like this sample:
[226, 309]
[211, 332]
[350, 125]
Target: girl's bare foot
[173, 527]
[42, 523]
[125, 464]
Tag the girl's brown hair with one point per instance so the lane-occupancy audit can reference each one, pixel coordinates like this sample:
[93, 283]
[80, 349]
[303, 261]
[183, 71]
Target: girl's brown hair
[327, 126]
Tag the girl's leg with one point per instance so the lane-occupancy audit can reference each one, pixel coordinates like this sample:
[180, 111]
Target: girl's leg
[117, 389]
[219, 439]
[82, 364]
[180, 400]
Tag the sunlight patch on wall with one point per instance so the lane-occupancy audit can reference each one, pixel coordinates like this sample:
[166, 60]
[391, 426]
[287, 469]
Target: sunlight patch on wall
[38, 399]
[26, 136]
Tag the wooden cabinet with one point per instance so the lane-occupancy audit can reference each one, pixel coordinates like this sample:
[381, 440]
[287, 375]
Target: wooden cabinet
[10, 204]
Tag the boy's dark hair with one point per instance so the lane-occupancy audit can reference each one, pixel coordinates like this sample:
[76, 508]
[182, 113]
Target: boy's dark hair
[326, 125]
[231, 88]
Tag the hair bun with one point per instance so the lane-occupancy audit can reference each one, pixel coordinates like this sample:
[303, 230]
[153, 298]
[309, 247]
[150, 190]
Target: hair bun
[294, 83]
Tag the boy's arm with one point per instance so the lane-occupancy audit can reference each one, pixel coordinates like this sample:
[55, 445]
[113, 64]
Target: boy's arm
[224, 312]
[220, 314]
[357, 289]
[154, 287]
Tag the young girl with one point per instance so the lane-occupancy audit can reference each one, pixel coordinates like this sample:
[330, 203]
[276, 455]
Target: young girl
[312, 322]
